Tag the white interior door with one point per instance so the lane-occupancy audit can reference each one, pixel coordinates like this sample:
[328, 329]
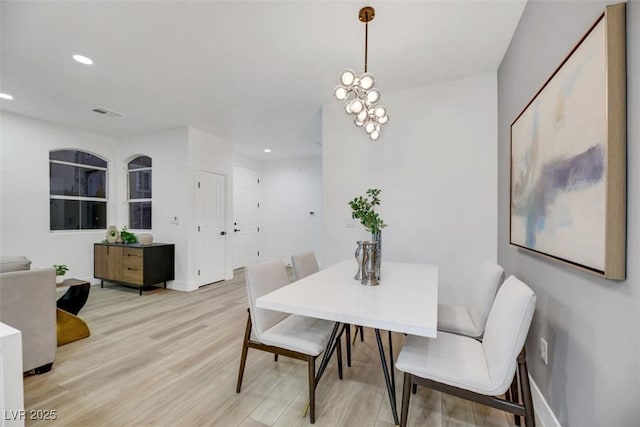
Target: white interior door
[211, 219]
[246, 199]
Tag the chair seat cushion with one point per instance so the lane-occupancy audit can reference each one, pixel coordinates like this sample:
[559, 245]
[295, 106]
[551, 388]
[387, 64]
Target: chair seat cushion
[449, 359]
[298, 333]
[456, 319]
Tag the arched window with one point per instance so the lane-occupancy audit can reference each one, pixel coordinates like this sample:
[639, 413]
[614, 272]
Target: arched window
[77, 190]
[139, 172]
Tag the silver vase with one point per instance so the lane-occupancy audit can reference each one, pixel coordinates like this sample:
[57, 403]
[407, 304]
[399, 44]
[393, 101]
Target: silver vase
[359, 256]
[369, 250]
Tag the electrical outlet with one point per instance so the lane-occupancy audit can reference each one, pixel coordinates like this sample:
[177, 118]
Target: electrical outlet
[544, 354]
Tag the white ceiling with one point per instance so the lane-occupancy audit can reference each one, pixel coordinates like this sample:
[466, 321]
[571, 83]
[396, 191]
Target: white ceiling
[256, 73]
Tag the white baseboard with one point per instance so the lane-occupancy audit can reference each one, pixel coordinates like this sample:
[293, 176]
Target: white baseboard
[183, 285]
[543, 413]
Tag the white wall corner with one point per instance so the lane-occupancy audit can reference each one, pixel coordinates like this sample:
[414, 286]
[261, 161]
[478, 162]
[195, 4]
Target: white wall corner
[543, 414]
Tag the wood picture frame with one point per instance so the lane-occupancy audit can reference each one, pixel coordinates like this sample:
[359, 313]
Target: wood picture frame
[568, 157]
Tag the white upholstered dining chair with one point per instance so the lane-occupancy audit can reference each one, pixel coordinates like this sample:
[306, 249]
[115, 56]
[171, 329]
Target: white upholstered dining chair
[477, 370]
[305, 264]
[290, 335]
[470, 319]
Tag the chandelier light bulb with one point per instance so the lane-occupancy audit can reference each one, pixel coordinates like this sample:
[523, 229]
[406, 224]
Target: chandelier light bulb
[369, 127]
[347, 106]
[384, 119]
[367, 81]
[347, 77]
[340, 93]
[373, 96]
[381, 111]
[356, 106]
[375, 135]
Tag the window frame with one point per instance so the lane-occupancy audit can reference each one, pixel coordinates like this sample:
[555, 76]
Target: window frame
[104, 199]
[130, 201]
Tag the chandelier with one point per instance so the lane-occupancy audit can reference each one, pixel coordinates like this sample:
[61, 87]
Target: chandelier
[359, 93]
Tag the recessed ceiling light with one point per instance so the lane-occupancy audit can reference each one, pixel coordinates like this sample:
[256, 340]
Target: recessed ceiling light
[267, 150]
[83, 59]
[5, 96]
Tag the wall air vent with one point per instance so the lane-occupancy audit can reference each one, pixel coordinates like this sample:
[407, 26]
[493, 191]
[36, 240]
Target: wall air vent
[104, 111]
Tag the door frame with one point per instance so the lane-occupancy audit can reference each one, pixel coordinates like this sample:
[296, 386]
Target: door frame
[259, 215]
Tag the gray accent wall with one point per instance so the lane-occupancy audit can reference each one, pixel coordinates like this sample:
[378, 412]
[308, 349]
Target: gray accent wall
[592, 325]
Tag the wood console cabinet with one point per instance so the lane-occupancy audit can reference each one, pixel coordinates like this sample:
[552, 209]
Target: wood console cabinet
[134, 265]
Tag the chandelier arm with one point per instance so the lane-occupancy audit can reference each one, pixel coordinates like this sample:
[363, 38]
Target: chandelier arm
[366, 42]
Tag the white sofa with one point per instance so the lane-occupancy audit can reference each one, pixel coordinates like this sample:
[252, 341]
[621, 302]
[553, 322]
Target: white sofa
[28, 303]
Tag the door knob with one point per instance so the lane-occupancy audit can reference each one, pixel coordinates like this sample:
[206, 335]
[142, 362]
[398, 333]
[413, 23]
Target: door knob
[223, 233]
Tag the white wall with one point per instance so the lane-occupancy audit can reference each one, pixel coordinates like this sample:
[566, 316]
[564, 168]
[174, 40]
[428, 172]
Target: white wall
[290, 190]
[169, 153]
[24, 202]
[590, 324]
[24, 193]
[436, 165]
[247, 162]
[211, 154]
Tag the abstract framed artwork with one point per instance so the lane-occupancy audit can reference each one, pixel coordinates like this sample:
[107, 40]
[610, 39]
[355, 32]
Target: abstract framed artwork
[568, 157]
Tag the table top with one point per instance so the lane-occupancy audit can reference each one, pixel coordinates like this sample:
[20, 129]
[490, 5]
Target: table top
[72, 282]
[406, 300]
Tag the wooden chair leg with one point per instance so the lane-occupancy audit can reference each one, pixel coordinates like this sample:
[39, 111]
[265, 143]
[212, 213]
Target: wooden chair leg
[311, 361]
[414, 388]
[512, 395]
[361, 333]
[275, 357]
[406, 396]
[243, 356]
[525, 390]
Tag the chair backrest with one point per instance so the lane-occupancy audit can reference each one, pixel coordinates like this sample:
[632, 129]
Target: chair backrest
[304, 264]
[507, 328]
[261, 279]
[489, 279]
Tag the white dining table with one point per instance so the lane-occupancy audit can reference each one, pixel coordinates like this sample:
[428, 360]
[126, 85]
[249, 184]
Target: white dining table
[405, 301]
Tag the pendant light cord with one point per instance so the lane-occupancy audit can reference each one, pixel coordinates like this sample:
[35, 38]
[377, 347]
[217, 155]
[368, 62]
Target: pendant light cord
[366, 40]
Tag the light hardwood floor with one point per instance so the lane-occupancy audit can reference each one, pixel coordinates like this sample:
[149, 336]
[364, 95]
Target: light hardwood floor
[170, 358]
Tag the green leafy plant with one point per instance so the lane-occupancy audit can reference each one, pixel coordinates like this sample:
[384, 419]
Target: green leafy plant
[61, 269]
[364, 210]
[127, 236]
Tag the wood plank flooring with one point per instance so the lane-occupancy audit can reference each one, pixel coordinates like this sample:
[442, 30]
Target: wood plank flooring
[170, 358]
